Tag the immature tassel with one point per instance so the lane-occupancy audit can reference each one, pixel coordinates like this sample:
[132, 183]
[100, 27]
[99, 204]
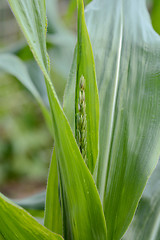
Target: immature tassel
[81, 120]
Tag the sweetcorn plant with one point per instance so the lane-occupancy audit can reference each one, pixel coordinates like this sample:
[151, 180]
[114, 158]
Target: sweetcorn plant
[107, 136]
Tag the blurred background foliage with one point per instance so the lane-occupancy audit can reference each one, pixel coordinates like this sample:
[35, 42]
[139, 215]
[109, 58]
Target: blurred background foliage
[25, 141]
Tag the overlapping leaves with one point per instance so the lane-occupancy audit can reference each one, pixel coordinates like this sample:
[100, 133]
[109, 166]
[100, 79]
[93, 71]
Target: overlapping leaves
[129, 90]
[127, 66]
[146, 222]
[15, 223]
[84, 203]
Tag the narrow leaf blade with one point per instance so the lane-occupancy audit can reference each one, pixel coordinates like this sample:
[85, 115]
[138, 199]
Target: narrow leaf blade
[72, 167]
[86, 69]
[16, 223]
[79, 190]
[34, 202]
[14, 66]
[146, 222]
[53, 216]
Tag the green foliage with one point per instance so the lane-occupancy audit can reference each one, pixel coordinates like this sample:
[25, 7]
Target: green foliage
[53, 216]
[94, 194]
[146, 223]
[25, 143]
[129, 137]
[17, 109]
[86, 69]
[16, 223]
[155, 16]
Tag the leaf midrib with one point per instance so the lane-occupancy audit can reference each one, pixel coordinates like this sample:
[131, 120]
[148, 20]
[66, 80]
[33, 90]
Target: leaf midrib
[111, 129]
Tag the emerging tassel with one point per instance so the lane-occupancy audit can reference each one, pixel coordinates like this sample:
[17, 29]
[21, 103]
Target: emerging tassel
[81, 120]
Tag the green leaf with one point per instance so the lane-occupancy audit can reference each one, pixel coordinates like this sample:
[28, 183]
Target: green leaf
[14, 66]
[72, 8]
[16, 223]
[127, 53]
[53, 216]
[78, 190]
[35, 202]
[84, 210]
[146, 222]
[28, 13]
[155, 16]
[86, 70]
[1, 237]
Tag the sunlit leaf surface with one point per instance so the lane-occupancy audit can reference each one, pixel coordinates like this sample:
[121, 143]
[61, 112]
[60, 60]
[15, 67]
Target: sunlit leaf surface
[127, 53]
[81, 200]
[16, 223]
[86, 93]
[146, 222]
[53, 216]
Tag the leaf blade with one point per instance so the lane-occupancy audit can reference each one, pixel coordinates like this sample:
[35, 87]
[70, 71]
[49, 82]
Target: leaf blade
[53, 216]
[17, 223]
[67, 157]
[86, 69]
[134, 148]
[146, 222]
[74, 171]
[14, 66]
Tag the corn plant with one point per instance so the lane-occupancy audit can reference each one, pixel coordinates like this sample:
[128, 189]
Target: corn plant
[107, 135]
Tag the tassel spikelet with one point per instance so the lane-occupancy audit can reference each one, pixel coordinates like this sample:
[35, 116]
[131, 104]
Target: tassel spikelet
[81, 120]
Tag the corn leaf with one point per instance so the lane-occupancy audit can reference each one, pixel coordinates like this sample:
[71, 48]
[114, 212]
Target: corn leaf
[72, 8]
[82, 201]
[146, 222]
[86, 70]
[127, 53]
[53, 216]
[1, 237]
[16, 223]
[14, 66]
[34, 202]
[69, 109]
[155, 16]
